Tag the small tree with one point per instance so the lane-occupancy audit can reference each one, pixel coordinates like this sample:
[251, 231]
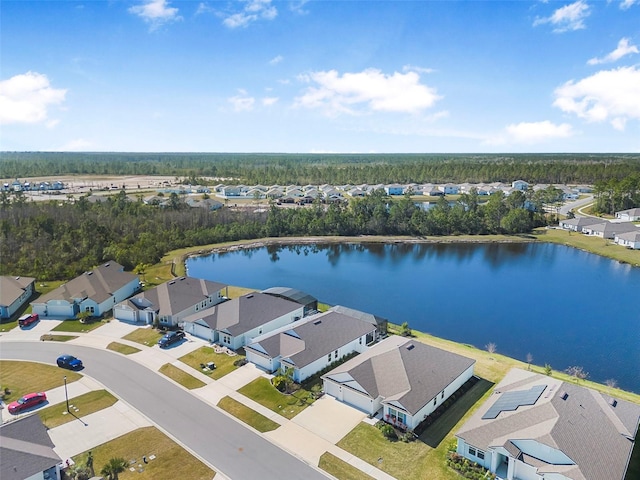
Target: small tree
[577, 372]
[287, 375]
[84, 317]
[405, 330]
[529, 360]
[611, 383]
[491, 347]
[547, 369]
[113, 468]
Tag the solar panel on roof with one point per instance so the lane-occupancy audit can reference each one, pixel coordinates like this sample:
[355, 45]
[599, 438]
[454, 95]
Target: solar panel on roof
[510, 401]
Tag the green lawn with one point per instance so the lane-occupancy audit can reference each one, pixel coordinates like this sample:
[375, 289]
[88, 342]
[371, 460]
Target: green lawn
[171, 460]
[261, 391]
[75, 326]
[48, 337]
[341, 469]
[247, 415]
[145, 336]
[122, 348]
[86, 404]
[180, 376]
[26, 377]
[204, 355]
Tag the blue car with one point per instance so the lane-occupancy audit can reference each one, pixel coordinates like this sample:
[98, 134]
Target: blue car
[70, 362]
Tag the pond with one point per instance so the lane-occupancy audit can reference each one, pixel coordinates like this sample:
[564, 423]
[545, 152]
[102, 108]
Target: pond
[563, 306]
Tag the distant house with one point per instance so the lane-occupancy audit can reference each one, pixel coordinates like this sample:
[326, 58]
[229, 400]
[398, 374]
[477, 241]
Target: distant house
[231, 191]
[449, 189]
[380, 323]
[27, 451]
[96, 292]
[404, 378]
[394, 189]
[536, 427]
[171, 301]
[236, 322]
[631, 215]
[205, 203]
[609, 229]
[578, 223]
[520, 185]
[14, 292]
[310, 345]
[628, 239]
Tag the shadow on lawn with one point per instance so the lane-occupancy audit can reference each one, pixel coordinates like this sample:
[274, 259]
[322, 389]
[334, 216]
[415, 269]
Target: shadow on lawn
[440, 428]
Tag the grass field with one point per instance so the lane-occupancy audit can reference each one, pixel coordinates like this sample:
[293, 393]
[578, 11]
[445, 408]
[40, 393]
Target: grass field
[341, 469]
[122, 348]
[76, 327]
[247, 415]
[261, 391]
[49, 337]
[26, 377]
[183, 378]
[144, 336]
[171, 460]
[224, 363]
[81, 406]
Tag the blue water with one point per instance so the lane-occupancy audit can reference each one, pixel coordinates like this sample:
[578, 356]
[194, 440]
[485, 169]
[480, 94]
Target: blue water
[564, 306]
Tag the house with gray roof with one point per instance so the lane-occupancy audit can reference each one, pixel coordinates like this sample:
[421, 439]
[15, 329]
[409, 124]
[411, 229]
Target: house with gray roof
[405, 379]
[171, 301]
[310, 344]
[629, 239]
[609, 229]
[310, 302]
[380, 323]
[27, 452]
[578, 223]
[96, 292]
[535, 427]
[237, 322]
[630, 215]
[14, 293]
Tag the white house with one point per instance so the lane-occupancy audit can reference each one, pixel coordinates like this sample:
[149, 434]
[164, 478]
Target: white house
[14, 292]
[631, 215]
[96, 292]
[449, 189]
[609, 229]
[171, 301]
[578, 223]
[534, 427]
[237, 322]
[628, 239]
[310, 344]
[404, 378]
[520, 185]
[394, 189]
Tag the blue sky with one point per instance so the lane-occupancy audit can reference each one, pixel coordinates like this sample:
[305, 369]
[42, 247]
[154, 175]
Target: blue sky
[320, 76]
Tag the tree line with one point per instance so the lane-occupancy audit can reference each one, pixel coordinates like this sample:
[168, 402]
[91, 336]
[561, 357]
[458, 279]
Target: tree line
[615, 194]
[61, 240]
[336, 169]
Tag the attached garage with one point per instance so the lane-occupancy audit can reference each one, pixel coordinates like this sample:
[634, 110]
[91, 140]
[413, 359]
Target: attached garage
[199, 330]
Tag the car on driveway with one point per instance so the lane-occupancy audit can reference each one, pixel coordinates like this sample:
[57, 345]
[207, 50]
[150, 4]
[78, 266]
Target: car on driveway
[70, 362]
[171, 338]
[26, 402]
[28, 319]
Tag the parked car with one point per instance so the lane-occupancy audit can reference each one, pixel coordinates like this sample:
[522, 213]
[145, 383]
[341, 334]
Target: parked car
[28, 319]
[70, 362]
[26, 402]
[171, 338]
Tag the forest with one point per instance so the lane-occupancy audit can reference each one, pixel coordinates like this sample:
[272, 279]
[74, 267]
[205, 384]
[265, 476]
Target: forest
[613, 194]
[59, 240]
[335, 169]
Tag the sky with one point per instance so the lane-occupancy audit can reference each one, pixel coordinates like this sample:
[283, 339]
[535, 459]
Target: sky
[320, 76]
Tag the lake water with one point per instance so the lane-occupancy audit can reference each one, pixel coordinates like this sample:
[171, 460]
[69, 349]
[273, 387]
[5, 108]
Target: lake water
[564, 306]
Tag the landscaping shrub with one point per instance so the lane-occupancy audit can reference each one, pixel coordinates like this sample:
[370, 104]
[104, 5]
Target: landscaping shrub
[389, 432]
[280, 383]
[468, 469]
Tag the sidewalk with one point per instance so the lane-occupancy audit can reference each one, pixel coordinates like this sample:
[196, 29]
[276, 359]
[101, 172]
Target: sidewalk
[307, 436]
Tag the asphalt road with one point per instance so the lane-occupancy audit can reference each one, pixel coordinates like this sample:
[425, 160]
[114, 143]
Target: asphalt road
[234, 450]
[564, 209]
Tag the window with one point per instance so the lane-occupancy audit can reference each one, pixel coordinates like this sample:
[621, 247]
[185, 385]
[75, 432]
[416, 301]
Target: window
[442, 394]
[329, 358]
[360, 340]
[480, 455]
[335, 355]
[472, 451]
[435, 400]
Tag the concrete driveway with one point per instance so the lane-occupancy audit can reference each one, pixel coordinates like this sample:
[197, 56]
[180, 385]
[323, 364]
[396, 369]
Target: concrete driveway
[329, 419]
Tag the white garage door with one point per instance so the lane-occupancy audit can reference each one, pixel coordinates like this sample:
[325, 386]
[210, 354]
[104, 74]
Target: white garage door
[357, 400]
[125, 315]
[333, 389]
[199, 331]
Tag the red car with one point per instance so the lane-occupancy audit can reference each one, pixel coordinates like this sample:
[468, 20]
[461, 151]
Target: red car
[28, 401]
[28, 319]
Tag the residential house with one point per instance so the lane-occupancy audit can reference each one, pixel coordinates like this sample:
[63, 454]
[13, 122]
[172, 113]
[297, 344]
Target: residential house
[27, 451]
[14, 293]
[584, 188]
[171, 301]
[231, 191]
[380, 323]
[310, 344]
[449, 189]
[206, 203]
[394, 189]
[404, 378]
[356, 192]
[236, 322]
[578, 223]
[309, 302]
[520, 185]
[631, 215]
[628, 239]
[96, 292]
[609, 229]
[535, 427]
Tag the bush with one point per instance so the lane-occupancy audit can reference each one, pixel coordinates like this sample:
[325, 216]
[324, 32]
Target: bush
[389, 432]
[280, 383]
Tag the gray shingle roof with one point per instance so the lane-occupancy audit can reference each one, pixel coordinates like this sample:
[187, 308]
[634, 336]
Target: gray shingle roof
[580, 422]
[176, 295]
[25, 449]
[11, 288]
[367, 317]
[405, 372]
[293, 294]
[98, 284]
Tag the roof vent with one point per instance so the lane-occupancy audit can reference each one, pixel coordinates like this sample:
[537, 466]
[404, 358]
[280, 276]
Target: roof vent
[564, 395]
[172, 282]
[106, 264]
[90, 273]
[317, 322]
[613, 402]
[250, 296]
[411, 347]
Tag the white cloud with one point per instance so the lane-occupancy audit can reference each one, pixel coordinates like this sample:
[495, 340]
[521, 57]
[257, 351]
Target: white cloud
[298, 7]
[25, 98]
[623, 49]
[276, 60]
[568, 18]
[608, 95]
[268, 101]
[253, 11]
[156, 13]
[536, 132]
[625, 4]
[242, 102]
[369, 90]
[413, 68]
